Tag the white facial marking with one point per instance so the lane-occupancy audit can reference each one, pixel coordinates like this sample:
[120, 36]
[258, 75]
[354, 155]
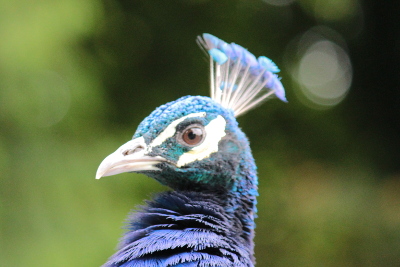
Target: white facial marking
[171, 129]
[215, 130]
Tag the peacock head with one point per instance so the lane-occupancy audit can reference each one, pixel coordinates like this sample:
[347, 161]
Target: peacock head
[194, 143]
[191, 143]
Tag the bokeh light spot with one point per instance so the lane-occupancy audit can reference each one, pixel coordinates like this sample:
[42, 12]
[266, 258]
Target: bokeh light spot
[318, 65]
[321, 67]
[325, 73]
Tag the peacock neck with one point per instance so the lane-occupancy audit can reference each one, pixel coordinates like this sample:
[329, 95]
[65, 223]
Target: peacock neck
[183, 225]
[244, 199]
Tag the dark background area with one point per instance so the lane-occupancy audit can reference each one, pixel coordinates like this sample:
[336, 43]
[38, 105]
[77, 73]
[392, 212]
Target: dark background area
[77, 77]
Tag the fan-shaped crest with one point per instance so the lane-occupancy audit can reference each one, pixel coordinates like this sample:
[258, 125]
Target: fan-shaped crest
[238, 79]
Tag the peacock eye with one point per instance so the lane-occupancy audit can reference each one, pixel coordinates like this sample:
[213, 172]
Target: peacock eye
[193, 135]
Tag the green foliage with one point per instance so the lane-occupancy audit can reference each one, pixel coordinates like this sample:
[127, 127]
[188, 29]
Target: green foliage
[76, 77]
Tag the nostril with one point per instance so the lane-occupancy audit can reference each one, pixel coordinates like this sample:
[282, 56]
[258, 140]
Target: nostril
[137, 149]
[131, 151]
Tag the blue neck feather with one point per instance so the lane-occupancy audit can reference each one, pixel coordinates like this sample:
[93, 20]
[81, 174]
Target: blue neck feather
[183, 228]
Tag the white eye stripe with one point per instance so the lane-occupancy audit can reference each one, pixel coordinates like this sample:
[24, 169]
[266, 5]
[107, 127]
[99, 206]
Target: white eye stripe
[171, 130]
[215, 131]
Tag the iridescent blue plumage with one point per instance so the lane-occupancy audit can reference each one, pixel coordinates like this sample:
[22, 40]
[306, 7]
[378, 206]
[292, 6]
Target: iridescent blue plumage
[184, 227]
[195, 146]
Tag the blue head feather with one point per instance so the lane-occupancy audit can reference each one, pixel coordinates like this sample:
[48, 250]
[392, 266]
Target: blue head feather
[221, 171]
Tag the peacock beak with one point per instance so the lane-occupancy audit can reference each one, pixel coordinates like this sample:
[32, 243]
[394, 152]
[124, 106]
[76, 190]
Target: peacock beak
[130, 157]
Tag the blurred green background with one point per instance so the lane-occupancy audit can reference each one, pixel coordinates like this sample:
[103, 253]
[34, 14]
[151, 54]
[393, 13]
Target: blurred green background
[76, 78]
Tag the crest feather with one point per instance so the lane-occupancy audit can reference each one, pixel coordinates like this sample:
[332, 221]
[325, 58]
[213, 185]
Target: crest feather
[238, 80]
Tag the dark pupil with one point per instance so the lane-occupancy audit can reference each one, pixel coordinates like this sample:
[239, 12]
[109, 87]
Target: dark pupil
[192, 135]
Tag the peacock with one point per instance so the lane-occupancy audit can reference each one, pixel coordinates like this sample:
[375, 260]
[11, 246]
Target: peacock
[194, 146]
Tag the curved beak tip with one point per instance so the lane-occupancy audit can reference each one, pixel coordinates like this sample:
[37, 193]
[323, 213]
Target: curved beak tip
[98, 175]
[102, 170]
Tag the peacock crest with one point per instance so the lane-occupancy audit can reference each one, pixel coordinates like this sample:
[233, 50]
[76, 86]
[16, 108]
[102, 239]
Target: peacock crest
[238, 80]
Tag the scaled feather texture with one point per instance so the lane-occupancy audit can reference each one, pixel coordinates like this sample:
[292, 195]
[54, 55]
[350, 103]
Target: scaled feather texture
[195, 146]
